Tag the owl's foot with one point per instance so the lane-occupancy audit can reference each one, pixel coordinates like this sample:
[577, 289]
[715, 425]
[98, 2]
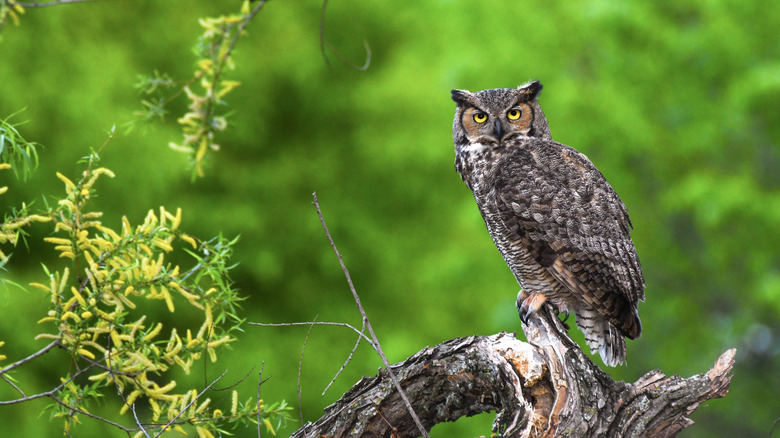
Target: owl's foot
[528, 304]
[565, 316]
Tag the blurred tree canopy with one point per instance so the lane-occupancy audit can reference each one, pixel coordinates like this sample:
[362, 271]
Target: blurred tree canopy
[675, 102]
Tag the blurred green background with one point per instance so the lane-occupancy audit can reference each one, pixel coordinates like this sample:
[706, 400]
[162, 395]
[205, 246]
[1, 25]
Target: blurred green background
[675, 102]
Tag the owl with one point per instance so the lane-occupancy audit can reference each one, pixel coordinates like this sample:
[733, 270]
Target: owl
[561, 228]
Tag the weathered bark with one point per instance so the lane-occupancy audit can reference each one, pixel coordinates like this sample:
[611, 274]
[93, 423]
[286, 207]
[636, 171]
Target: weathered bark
[544, 388]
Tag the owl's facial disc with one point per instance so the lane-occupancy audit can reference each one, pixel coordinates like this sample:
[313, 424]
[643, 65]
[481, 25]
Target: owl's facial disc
[495, 129]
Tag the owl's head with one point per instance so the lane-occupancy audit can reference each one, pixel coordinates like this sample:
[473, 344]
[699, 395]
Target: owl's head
[489, 118]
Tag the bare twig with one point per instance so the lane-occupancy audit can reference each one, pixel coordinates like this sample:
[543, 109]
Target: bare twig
[349, 358]
[13, 385]
[237, 382]
[361, 336]
[27, 398]
[37, 4]
[259, 384]
[50, 393]
[137, 421]
[325, 42]
[308, 323]
[367, 322]
[774, 424]
[91, 415]
[35, 355]
[300, 367]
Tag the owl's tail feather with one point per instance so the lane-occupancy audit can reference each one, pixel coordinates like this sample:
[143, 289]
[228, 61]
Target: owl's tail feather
[602, 336]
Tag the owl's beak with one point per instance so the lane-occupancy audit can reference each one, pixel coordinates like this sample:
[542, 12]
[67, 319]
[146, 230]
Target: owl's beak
[499, 132]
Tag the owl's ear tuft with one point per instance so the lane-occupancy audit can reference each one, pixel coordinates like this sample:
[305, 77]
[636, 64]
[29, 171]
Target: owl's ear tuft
[461, 96]
[531, 89]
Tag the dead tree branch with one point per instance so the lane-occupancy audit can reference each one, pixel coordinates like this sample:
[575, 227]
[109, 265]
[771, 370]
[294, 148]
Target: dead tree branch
[544, 388]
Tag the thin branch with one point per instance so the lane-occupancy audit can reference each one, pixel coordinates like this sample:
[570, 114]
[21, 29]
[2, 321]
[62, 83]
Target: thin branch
[49, 393]
[241, 28]
[349, 358]
[37, 4]
[308, 323]
[300, 367]
[37, 354]
[91, 415]
[361, 336]
[235, 384]
[226, 56]
[375, 342]
[325, 42]
[344, 59]
[322, 33]
[259, 384]
[29, 397]
[11, 382]
[137, 421]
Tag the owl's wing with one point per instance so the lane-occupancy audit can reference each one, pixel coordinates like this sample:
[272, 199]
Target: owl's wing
[554, 201]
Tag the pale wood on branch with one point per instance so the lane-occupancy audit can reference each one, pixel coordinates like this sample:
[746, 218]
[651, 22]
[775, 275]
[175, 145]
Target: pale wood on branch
[544, 388]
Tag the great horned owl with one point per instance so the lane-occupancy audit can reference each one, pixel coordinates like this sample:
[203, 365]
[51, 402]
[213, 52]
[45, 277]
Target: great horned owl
[557, 222]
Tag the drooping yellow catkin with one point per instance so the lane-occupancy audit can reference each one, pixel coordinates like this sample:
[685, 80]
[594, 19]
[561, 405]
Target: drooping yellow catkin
[68, 183]
[154, 332]
[187, 238]
[129, 401]
[234, 403]
[203, 432]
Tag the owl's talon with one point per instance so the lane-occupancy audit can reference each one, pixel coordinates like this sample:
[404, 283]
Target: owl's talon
[523, 313]
[565, 317]
[530, 304]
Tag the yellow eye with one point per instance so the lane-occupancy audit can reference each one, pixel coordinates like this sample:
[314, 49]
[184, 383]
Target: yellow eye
[480, 117]
[513, 114]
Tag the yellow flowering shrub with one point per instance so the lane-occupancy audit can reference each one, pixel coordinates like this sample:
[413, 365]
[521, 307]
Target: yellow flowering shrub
[94, 311]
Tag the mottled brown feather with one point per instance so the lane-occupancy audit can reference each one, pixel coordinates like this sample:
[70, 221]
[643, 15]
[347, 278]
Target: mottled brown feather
[553, 199]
